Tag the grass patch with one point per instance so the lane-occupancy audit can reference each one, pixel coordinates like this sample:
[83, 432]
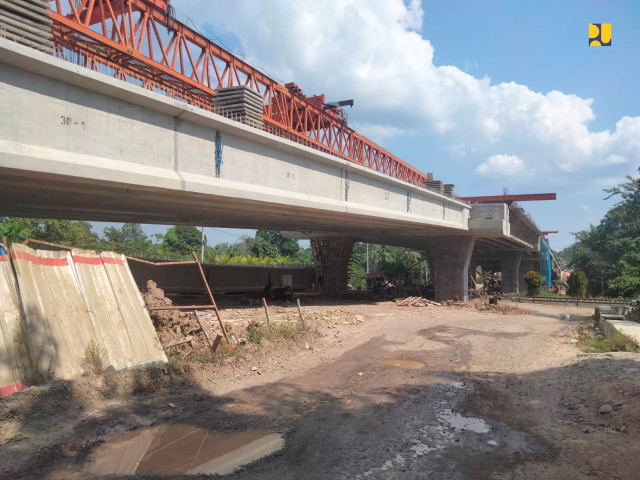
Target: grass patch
[593, 340]
[288, 331]
[93, 357]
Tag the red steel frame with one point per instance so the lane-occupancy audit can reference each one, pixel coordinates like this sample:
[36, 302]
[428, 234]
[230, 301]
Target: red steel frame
[138, 41]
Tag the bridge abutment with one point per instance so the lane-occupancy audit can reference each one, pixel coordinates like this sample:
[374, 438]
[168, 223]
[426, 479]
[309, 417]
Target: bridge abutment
[331, 257]
[451, 257]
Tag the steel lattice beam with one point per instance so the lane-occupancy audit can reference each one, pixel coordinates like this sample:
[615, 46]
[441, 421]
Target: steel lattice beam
[138, 41]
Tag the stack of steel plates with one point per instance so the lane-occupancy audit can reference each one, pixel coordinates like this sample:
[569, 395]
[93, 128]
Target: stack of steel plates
[27, 22]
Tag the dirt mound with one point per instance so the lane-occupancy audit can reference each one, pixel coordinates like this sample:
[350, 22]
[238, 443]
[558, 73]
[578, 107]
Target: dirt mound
[179, 332]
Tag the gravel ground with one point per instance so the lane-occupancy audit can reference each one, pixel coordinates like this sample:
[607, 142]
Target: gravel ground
[382, 391]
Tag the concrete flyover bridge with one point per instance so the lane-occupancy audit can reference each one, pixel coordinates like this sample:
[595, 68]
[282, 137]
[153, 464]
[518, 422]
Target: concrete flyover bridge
[77, 144]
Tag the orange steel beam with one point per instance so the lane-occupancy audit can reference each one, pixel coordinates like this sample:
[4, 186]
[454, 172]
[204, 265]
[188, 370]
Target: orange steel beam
[531, 197]
[137, 41]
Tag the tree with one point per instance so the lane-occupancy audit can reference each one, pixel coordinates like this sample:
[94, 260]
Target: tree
[609, 253]
[269, 243]
[577, 282]
[183, 239]
[72, 233]
[129, 233]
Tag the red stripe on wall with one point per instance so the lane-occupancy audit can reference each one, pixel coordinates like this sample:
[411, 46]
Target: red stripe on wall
[112, 261]
[9, 389]
[3, 258]
[49, 262]
[88, 260]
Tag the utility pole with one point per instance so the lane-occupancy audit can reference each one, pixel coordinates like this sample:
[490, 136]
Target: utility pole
[202, 246]
[367, 258]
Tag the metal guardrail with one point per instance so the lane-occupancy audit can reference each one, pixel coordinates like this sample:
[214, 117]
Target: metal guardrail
[577, 301]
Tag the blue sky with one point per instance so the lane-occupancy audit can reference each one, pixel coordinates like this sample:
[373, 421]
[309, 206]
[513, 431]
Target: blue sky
[486, 95]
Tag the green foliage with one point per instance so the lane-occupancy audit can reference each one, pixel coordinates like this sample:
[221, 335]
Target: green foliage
[401, 266]
[534, 282]
[129, 239]
[64, 232]
[269, 243]
[609, 253]
[617, 343]
[577, 282]
[183, 239]
[288, 331]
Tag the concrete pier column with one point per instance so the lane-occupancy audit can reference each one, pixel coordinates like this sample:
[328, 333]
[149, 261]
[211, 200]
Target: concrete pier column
[331, 257]
[450, 257]
[527, 264]
[510, 269]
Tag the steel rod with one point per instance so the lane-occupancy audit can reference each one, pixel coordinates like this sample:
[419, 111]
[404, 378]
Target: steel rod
[213, 302]
[183, 307]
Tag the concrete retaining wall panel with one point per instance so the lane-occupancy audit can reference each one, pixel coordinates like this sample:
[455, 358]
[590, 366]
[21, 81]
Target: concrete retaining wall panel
[108, 324]
[185, 279]
[15, 366]
[58, 323]
[139, 328]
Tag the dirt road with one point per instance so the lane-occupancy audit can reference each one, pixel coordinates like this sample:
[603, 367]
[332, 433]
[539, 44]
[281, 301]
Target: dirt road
[395, 392]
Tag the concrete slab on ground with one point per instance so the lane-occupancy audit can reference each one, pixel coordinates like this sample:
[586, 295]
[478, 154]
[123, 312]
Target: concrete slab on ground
[611, 326]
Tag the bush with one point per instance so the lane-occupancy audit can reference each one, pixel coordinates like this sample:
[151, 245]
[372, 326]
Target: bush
[534, 283]
[577, 283]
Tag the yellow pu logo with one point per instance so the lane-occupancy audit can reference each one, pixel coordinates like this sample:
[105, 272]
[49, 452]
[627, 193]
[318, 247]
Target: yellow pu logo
[599, 34]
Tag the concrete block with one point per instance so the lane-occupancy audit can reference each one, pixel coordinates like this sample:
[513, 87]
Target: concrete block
[612, 326]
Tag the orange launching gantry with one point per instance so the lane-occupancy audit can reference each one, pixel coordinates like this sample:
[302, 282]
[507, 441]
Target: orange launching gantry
[139, 41]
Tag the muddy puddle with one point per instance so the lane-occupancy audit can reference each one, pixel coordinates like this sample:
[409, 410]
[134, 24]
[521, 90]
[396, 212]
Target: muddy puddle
[399, 363]
[181, 449]
[461, 423]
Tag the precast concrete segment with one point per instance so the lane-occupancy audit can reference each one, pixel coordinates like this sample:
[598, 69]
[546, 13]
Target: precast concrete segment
[61, 122]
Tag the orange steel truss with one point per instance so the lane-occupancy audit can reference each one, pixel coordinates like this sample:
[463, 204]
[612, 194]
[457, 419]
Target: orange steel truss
[138, 41]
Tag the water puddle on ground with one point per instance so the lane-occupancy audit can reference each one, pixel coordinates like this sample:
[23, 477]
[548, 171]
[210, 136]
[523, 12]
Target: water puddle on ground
[408, 364]
[181, 449]
[460, 423]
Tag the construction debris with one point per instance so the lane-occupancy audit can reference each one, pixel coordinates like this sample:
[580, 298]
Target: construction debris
[418, 302]
[182, 330]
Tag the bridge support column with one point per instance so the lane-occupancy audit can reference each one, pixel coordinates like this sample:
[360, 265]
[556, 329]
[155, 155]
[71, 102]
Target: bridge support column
[510, 269]
[527, 264]
[331, 257]
[450, 257]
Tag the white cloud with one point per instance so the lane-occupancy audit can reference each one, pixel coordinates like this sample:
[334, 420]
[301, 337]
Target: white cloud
[615, 159]
[502, 165]
[377, 132]
[375, 52]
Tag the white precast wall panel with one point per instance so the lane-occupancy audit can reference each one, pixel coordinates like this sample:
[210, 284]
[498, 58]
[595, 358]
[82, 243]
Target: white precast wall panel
[109, 326]
[142, 335]
[58, 324]
[70, 299]
[15, 366]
